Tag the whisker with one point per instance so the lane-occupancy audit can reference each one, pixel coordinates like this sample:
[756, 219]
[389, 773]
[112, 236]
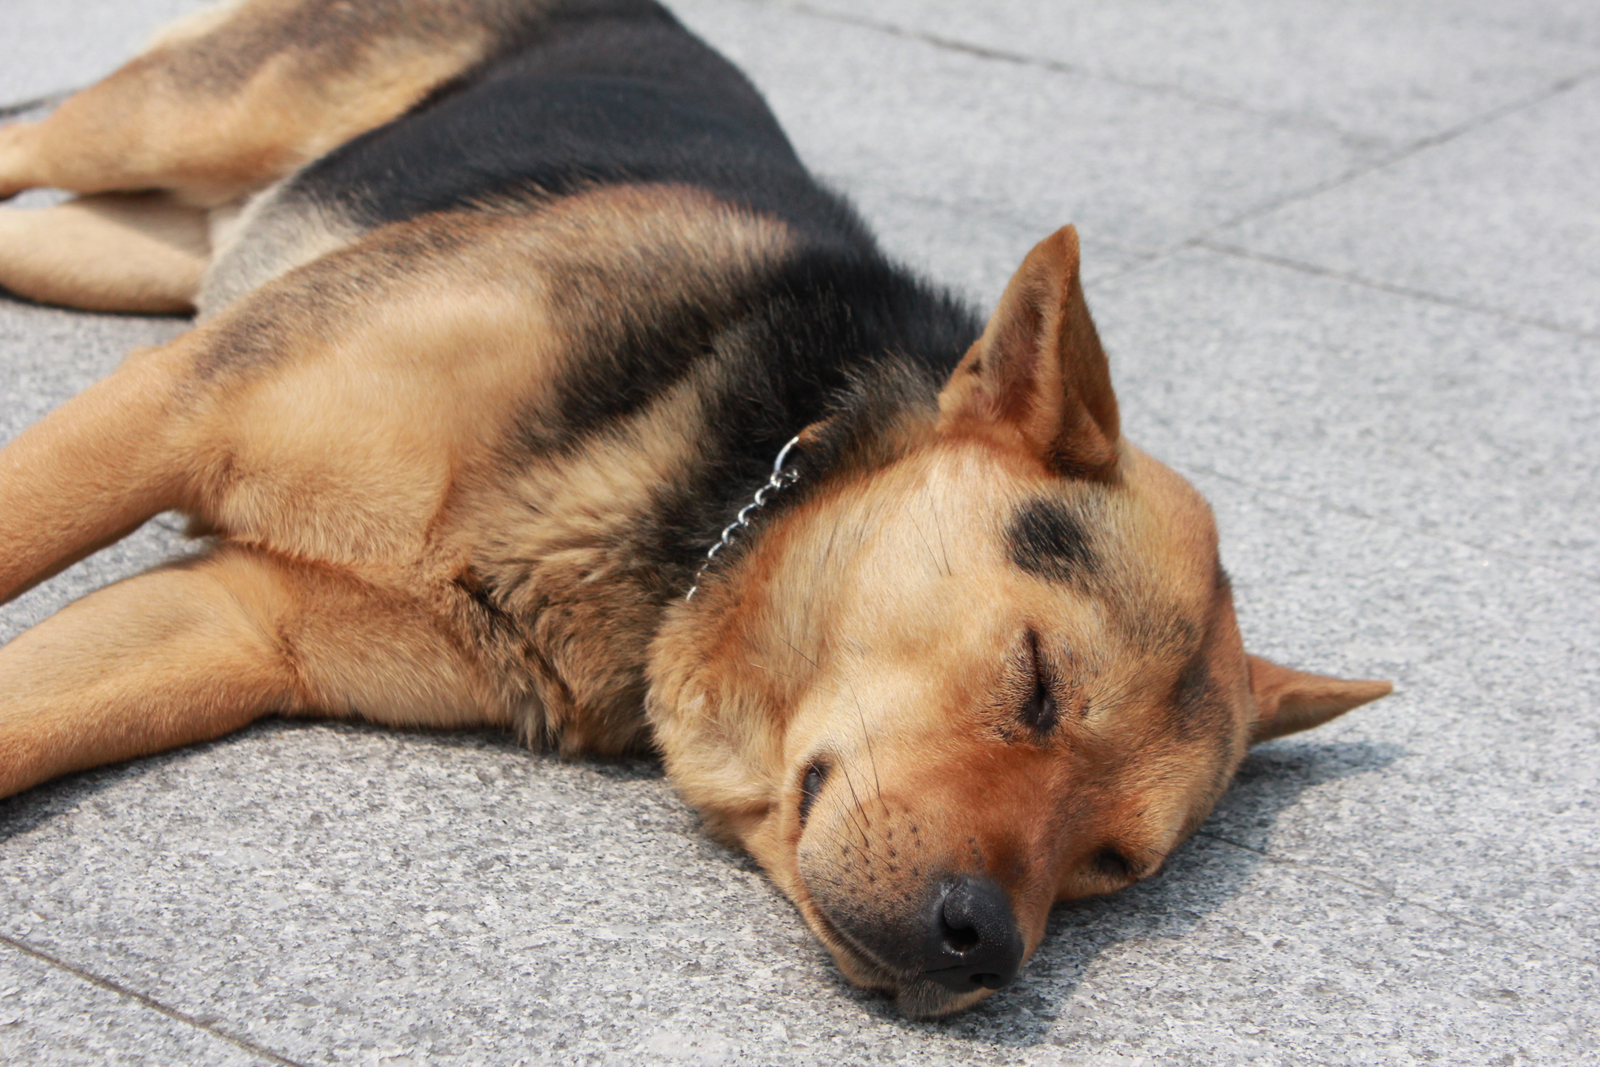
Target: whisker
[915, 525]
[791, 677]
[770, 670]
[866, 841]
[866, 736]
[802, 655]
[949, 572]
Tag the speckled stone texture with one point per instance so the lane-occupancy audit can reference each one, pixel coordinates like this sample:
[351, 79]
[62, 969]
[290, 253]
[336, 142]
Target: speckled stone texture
[1346, 256]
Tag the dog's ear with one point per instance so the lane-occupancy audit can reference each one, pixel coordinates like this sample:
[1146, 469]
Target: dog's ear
[1288, 700]
[1038, 371]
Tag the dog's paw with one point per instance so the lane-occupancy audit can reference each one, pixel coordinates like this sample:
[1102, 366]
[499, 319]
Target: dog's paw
[16, 155]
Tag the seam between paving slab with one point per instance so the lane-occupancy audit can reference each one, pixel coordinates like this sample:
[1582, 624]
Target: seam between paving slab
[147, 1001]
[22, 107]
[1200, 240]
[1356, 513]
[1057, 66]
[1203, 238]
[1305, 869]
[1388, 287]
[1377, 890]
[1558, 88]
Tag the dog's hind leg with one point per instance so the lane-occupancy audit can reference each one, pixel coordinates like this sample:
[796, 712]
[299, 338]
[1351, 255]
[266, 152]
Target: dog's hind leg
[243, 96]
[140, 252]
[196, 649]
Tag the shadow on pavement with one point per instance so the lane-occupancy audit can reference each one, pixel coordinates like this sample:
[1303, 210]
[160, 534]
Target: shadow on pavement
[1204, 874]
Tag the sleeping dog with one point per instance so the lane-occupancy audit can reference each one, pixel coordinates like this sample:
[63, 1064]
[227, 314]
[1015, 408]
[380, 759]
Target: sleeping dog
[536, 384]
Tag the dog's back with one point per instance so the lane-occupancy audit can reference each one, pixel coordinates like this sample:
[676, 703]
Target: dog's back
[591, 93]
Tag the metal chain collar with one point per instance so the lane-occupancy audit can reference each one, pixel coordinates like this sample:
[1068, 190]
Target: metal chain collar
[780, 479]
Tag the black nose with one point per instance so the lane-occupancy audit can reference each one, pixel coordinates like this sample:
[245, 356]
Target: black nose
[973, 940]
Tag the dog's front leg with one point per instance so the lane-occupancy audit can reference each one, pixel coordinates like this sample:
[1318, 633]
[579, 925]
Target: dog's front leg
[177, 655]
[193, 650]
[91, 471]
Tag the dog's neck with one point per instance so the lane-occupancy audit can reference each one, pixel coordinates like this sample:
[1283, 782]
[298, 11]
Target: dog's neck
[611, 532]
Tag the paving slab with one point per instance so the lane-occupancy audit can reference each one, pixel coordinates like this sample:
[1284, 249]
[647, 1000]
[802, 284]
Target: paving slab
[1504, 217]
[50, 1015]
[1385, 73]
[54, 47]
[1226, 960]
[1134, 168]
[1458, 424]
[1475, 788]
[339, 895]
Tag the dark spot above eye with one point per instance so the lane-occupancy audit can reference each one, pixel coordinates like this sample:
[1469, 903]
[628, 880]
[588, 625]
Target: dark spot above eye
[1198, 703]
[1113, 864]
[1045, 539]
[816, 777]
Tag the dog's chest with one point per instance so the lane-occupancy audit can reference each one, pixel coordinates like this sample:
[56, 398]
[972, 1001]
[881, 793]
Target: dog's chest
[484, 410]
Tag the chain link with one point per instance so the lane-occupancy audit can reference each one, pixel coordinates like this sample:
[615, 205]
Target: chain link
[779, 480]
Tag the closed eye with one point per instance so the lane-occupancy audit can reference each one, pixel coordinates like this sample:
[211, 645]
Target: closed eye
[811, 784]
[1039, 709]
[1113, 864]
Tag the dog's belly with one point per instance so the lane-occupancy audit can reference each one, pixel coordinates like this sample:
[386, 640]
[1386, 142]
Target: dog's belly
[264, 237]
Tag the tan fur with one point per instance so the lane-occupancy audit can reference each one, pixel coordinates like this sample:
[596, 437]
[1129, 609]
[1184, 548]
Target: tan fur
[165, 659]
[362, 444]
[90, 472]
[195, 650]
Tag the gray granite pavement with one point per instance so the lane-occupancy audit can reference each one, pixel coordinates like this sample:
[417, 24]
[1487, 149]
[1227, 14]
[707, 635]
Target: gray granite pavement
[1346, 257]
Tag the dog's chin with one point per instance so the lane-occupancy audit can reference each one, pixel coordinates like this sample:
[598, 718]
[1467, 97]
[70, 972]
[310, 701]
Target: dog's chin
[922, 999]
[916, 997]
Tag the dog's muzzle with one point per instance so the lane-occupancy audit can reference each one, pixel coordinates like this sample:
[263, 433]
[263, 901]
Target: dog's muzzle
[963, 938]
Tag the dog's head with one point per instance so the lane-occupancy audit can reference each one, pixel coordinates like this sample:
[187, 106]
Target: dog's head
[997, 671]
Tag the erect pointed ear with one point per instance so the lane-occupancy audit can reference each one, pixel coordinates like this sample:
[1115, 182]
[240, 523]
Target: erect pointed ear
[1288, 700]
[1039, 372]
